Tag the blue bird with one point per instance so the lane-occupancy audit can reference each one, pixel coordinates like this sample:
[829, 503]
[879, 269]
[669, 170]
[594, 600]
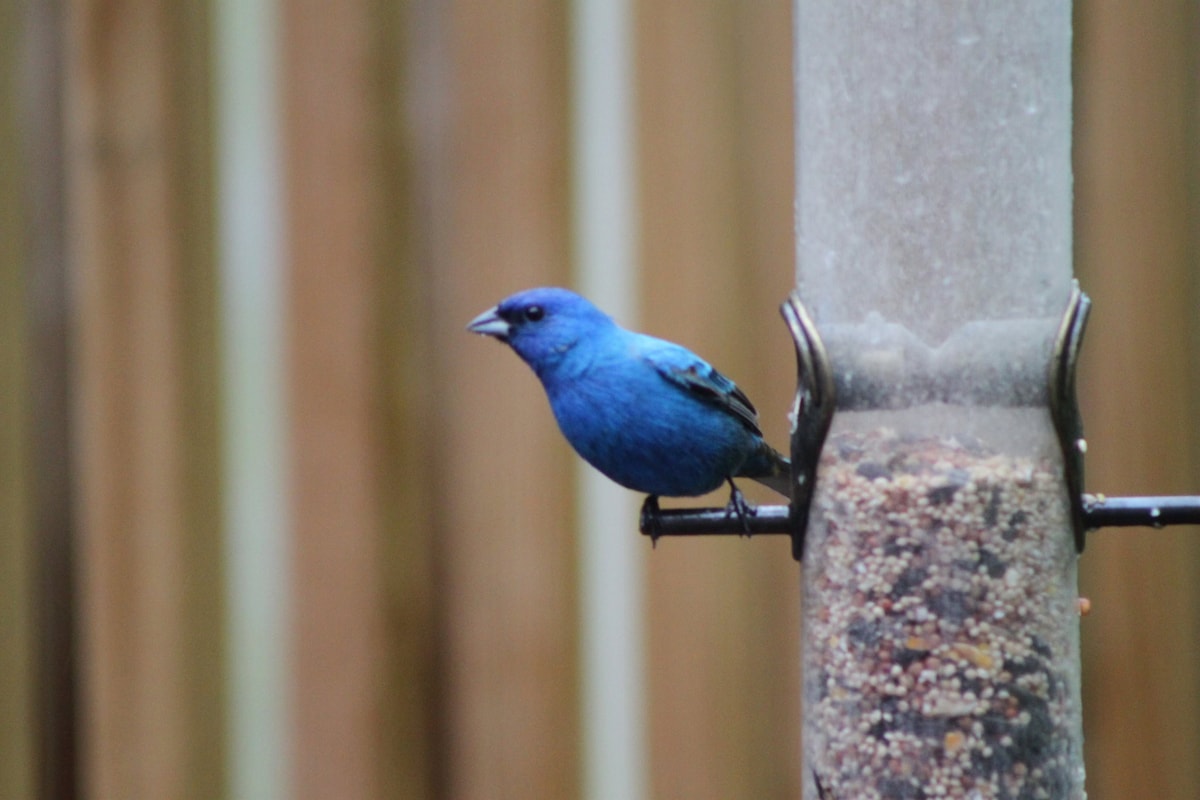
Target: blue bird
[649, 414]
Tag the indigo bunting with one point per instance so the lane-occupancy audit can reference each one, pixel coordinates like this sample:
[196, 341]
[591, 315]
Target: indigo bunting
[649, 414]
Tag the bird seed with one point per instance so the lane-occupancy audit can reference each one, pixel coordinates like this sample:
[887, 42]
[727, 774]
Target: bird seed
[941, 624]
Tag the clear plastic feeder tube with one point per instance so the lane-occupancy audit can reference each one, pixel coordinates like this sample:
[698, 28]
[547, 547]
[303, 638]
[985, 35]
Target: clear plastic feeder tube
[941, 652]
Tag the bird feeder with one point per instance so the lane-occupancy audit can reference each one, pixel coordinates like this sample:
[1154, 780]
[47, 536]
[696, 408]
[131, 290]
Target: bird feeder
[941, 634]
[937, 450]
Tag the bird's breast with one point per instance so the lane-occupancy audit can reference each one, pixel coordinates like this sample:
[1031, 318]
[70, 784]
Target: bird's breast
[647, 434]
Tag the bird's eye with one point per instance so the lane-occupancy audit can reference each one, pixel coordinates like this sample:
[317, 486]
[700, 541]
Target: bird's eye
[534, 313]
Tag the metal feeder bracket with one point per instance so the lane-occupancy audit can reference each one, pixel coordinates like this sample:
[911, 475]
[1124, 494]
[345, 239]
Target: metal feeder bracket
[1092, 511]
[1064, 404]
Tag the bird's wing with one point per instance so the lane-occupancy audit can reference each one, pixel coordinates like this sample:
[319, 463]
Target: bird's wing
[687, 370]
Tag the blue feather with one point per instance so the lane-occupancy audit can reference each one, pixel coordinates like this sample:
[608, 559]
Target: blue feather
[649, 414]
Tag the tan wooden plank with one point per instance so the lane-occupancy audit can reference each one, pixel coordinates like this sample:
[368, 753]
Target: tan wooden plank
[332, 209]
[716, 178]
[18, 700]
[143, 400]
[406, 441]
[1137, 249]
[496, 134]
[50, 430]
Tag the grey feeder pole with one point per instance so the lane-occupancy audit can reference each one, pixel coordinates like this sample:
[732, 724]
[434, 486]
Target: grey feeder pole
[937, 450]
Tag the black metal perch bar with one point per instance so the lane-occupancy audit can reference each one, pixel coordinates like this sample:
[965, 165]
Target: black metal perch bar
[1098, 512]
[1150, 512]
[715, 522]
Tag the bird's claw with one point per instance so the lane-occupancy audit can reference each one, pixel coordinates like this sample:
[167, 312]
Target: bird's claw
[650, 521]
[739, 505]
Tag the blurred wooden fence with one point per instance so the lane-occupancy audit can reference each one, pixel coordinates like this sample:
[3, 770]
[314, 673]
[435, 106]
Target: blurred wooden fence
[1138, 255]
[432, 596]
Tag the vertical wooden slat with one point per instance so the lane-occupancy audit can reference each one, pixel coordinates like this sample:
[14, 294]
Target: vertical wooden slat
[1137, 249]
[715, 83]
[203, 583]
[762, 108]
[505, 561]
[402, 322]
[332, 197]
[373, 163]
[140, 227]
[17, 647]
[50, 436]
[410, 92]
[18, 731]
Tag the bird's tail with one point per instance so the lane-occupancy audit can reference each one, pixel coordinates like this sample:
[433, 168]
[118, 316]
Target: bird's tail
[770, 469]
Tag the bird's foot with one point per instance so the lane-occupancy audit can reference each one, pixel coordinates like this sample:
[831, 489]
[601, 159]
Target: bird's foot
[739, 505]
[649, 520]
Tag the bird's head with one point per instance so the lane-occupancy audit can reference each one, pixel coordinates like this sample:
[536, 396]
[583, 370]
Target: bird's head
[542, 325]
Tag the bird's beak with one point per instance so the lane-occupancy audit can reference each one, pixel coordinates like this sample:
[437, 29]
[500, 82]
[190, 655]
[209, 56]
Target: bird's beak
[490, 323]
